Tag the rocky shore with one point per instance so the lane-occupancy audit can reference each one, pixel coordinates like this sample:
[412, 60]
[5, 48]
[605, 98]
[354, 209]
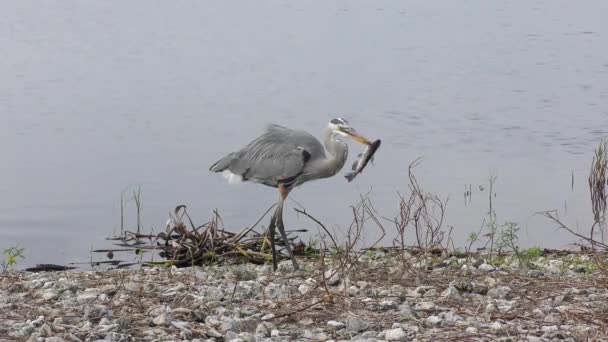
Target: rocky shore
[379, 297]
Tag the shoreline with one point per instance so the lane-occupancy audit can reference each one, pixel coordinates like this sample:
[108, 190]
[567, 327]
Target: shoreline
[378, 296]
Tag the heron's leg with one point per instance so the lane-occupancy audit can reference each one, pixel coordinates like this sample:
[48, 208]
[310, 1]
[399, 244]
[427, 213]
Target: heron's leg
[271, 232]
[279, 214]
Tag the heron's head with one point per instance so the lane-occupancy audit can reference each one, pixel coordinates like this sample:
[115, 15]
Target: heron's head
[341, 126]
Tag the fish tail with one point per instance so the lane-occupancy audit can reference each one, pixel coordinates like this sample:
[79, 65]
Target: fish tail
[350, 176]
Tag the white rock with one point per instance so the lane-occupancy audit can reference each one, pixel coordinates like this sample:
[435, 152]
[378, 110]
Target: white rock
[424, 306]
[501, 292]
[160, 319]
[332, 277]
[495, 326]
[405, 309]
[451, 294]
[356, 324]
[182, 325]
[267, 317]
[486, 268]
[395, 335]
[263, 329]
[49, 295]
[549, 328]
[450, 317]
[433, 321]
[304, 289]
[505, 306]
[335, 325]
[214, 333]
[471, 330]
[88, 296]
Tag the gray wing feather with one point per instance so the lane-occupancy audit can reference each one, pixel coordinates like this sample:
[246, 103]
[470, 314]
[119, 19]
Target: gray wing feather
[279, 153]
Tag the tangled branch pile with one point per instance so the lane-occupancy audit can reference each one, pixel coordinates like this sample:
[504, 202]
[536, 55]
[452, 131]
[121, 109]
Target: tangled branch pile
[186, 244]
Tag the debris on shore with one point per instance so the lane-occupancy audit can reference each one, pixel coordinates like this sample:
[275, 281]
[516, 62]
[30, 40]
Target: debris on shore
[555, 297]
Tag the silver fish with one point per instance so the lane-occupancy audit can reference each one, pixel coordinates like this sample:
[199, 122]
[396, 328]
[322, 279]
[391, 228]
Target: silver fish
[364, 158]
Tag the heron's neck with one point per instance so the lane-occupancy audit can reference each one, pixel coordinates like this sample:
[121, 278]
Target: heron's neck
[338, 153]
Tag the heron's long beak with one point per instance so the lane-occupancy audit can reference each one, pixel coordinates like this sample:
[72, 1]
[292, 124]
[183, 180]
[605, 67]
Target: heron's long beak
[355, 135]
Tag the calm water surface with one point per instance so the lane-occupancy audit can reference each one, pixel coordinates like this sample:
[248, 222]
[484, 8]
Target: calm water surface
[98, 97]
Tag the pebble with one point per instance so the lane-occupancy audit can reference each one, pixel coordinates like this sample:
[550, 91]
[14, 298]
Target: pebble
[433, 321]
[451, 294]
[356, 324]
[196, 304]
[335, 325]
[486, 268]
[425, 306]
[395, 335]
[502, 292]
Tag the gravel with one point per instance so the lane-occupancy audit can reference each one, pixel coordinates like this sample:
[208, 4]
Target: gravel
[252, 303]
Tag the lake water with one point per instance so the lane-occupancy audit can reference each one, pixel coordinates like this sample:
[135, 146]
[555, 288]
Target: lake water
[96, 97]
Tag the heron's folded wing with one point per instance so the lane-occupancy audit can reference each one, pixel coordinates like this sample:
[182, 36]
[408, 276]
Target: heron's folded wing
[270, 163]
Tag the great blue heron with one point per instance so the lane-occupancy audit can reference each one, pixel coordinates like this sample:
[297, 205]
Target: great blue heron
[285, 158]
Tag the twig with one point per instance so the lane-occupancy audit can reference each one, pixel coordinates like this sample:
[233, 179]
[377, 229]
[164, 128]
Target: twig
[320, 224]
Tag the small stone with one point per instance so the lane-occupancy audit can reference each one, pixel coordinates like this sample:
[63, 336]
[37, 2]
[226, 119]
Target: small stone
[246, 325]
[55, 339]
[495, 326]
[229, 325]
[501, 292]
[335, 325]
[95, 311]
[450, 317]
[423, 289]
[332, 277]
[424, 306]
[88, 296]
[243, 274]
[405, 309]
[486, 268]
[433, 321]
[49, 295]
[388, 304]
[285, 266]
[72, 338]
[549, 328]
[185, 334]
[38, 321]
[471, 330]
[356, 324]
[45, 330]
[213, 333]
[304, 288]
[160, 319]
[395, 335]
[263, 329]
[505, 306]
[267, 317]
[535, 274]
[181, 325]
[451, 294]
[104, 321]
[275, 333]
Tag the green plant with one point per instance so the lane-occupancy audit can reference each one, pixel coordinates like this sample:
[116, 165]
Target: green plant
[533, 252]
[137, 199]
[508, 240]
[11, 256]
[491, 220]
